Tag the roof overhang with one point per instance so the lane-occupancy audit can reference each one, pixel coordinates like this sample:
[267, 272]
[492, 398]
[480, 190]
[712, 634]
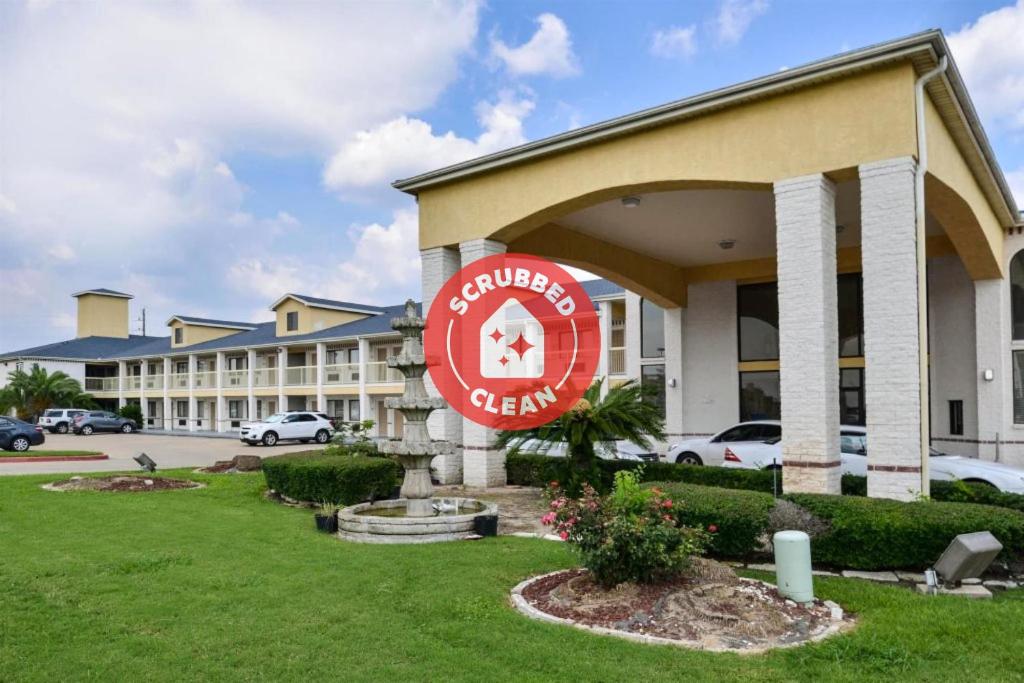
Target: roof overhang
[923, 50]
[101, 292]
[184, 320]
[318, 304]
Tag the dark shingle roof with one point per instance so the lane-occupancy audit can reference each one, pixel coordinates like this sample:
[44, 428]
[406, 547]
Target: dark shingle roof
[601, 287]
[88, 348]
[330, 303]
[211, 321]
[103, 290]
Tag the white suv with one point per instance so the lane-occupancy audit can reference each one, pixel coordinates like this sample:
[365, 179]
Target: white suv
[59, 421]
[299, 425]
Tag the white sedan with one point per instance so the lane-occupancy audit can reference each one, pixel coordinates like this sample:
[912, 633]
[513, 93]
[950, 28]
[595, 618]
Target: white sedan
[619, 450]
[853, 453]
[712, 450]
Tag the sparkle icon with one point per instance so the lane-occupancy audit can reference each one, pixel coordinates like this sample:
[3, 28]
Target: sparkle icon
[496, 335]
[520, 345]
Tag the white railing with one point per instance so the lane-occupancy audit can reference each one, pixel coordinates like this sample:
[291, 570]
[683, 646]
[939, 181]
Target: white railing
[204, 380]
[154, 382]
[378, 372]
[178, 380]
[300, 376]
[101, 383]
[133, 382]
[264, 377]
[341, 373]
[616, 361]
[235, 379]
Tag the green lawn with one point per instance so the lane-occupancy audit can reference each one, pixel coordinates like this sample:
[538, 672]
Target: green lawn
[219, 584]
[33, 453]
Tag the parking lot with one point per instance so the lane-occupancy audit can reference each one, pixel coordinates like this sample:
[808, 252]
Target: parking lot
[167, 451]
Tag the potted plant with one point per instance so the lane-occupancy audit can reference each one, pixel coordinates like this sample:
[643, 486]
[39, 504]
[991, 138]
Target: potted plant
[327, 517]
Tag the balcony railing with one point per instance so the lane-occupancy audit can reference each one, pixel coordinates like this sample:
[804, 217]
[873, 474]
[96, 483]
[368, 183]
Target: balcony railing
[204, 380]
[341, 373]
[178, 380]
[154, 382]
[300, 376]
[616, 361]
[101, 383]
[235, 379]
[264, 377]
[379, 373]
[133, 382]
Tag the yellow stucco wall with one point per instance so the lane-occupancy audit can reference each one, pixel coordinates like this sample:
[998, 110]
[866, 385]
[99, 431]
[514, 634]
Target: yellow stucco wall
[197, 334]
[311, 319]
[831, 127]
[102, 316]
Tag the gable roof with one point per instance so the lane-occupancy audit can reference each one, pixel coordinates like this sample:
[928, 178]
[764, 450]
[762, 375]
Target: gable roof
[924, 50]
[102, 291]
[210, 322]
[317, 302]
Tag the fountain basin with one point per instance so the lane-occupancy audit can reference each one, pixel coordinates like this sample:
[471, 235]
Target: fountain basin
[387, 521]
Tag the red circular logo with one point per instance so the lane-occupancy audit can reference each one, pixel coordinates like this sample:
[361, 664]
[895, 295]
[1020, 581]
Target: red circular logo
[512, 341]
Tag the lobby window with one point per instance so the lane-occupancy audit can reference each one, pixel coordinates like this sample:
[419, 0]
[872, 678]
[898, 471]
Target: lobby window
[851, 316]
[758, 309]
[292, 320]
[652, 330]
[1017, 297]
[760, 396]
[179, 335]
[956, 417]
[851, 396]
[1018, 387]
[353, 410]
[652, 379]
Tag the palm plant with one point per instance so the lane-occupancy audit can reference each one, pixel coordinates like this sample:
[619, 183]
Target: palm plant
[30, 393]
[623, 414]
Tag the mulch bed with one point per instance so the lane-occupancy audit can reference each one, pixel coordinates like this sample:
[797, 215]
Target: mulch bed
[709, 608]
[122, 484]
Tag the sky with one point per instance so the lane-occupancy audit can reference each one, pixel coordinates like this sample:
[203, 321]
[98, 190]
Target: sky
[208, 157]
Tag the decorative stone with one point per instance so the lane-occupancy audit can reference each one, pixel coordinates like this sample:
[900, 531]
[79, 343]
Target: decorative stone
[969, 591]
[762, 567]
[912, 577]
[884, 577]
[248, 463]
[1006, 585]
[971, 582]
[822, 572]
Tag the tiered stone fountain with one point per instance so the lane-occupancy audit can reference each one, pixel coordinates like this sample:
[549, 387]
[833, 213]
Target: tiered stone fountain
[416, 517]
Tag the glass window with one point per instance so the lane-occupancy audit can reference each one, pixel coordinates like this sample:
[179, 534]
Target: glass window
[956, 417]
[235, 409]
[851, 316]
[652, 379]
[740, 433]
[853, 443]
[758, 311]
[1017, 294]
[179, 334]
[293, 321]
[652, 330]
[771, 432]
[851, 396]
[1018, 387]
[353, 410]
[760, 396]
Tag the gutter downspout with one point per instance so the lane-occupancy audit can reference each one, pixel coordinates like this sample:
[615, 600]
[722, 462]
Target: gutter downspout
[922, 269]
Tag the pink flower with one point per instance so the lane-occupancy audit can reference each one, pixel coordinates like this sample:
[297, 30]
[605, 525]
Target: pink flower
[667, 503]
[667, 518]
[564, 535]
[713, 528]
[548, 518]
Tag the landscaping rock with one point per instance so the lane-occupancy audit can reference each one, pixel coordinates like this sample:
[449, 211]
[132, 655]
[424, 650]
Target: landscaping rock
[762, 567]
[884, 577]
[974, 592]
[822, 572]
[1006, 585]
[248, 463]
[913, 577]
[971, 582]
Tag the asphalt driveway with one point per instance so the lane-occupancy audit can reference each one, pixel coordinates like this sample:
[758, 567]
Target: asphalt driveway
[167, 451]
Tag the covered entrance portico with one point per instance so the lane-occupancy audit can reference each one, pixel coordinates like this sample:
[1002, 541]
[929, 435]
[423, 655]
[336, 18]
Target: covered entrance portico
[793, 181]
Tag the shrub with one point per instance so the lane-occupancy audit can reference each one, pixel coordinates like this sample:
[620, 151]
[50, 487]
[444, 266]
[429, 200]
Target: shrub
[317, 476]
[873, 533]
[630, 535]
[133, 412]
[367, 448]
[737, 519]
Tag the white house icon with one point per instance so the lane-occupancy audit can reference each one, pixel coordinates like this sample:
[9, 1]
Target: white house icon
[512, 343]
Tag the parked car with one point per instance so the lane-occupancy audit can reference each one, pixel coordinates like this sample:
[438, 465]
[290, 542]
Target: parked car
[853, 447]
[711, 450]
[18, 435]
[299, 425]
[59, 420]
[617, 450]
[102, 421]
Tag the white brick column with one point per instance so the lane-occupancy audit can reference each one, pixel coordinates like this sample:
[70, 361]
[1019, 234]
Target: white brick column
[805, 221]
[483, 463]
[250, 381]
[633, 336]
[122, 369]
[991, 313]
[168, 420]
[220, 423]
[896, 377]
[282, 363]
[192, 412]
[674, 373]
[321, 355]
[440, 264]
[604, 321]
[143, 405]
[364, 359]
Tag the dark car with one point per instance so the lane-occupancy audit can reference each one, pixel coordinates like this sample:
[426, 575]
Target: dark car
[102, 421]
[16, 435]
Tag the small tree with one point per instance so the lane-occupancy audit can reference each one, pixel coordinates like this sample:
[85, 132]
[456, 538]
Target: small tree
[31, 393]
[131, 411]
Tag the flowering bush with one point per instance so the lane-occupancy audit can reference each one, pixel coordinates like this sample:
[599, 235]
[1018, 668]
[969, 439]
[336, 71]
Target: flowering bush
[629, 535]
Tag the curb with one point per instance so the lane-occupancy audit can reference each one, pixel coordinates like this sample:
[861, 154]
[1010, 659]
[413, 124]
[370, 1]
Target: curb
[56, 458]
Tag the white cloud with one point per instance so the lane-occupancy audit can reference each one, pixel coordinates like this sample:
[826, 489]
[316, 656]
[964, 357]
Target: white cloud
[61, 252]
[734, 18]
[1016, 181]
[990, 55]
[406, 146]
[548, 51]
[675, 42]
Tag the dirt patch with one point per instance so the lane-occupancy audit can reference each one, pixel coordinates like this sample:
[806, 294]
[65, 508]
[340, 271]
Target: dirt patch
[122, 484]
[708, 608]
[519, 507]
[239, 463]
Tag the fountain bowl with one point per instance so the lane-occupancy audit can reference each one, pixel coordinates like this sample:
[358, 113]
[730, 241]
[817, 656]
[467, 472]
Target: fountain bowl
[387, 521]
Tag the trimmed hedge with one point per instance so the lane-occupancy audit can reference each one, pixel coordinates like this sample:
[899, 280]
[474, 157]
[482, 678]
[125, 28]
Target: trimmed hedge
[316, 476]
[874, 533]
[741, 518]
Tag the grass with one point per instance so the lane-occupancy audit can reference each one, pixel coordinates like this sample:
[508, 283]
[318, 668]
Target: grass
[45, 454]
[218, 584]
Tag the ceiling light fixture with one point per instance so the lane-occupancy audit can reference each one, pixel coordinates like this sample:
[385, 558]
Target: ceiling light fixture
[631, 202]
[727, 243]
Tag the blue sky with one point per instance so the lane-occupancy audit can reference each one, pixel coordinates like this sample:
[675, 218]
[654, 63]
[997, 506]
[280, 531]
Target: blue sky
[207, 157]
